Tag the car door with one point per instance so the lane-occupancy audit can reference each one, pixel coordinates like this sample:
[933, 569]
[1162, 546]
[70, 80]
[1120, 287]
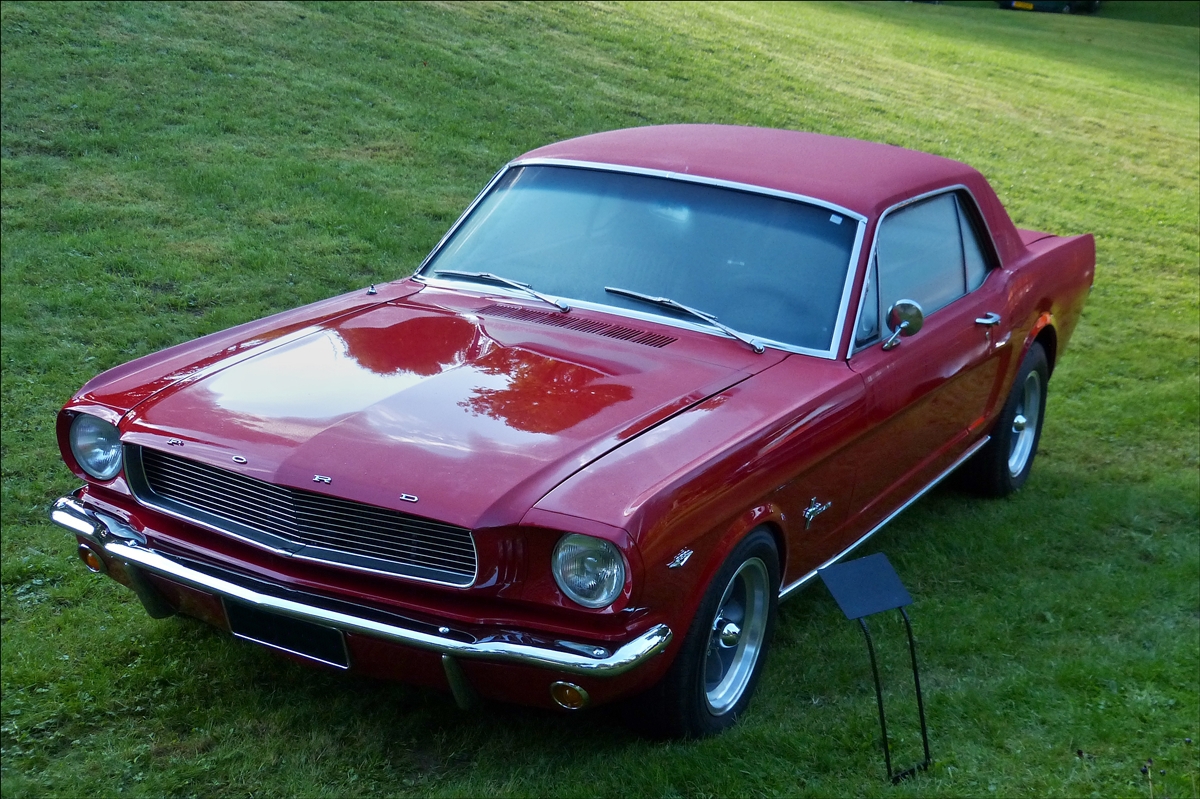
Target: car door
[927, 395]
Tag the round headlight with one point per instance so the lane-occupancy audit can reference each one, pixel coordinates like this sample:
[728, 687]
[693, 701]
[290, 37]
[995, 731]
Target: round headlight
[96, 445]
[588, 570]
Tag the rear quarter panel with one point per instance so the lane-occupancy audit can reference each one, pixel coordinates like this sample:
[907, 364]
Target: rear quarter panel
[1050, 285]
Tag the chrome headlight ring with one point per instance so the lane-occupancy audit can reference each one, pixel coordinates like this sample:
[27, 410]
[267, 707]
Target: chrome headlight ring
[590, 571]
[96, 445]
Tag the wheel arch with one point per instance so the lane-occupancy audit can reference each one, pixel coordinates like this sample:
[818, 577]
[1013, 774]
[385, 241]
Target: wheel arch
[1048, 338]
[765, 517]
[773, 527]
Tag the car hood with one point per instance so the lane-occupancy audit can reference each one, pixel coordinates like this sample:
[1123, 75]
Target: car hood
[434, 406]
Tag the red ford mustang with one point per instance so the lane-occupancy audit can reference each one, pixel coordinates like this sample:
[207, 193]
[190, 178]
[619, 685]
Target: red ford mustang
[646, 386]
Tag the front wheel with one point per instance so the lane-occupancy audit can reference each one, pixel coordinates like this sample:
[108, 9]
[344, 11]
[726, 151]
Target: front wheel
[718, 666]
[1002, 465]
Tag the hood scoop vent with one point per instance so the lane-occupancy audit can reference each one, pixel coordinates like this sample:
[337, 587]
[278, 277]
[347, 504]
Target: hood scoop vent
[579, 324]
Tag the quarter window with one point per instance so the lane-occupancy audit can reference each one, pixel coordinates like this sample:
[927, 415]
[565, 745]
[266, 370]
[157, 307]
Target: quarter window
[976, 264]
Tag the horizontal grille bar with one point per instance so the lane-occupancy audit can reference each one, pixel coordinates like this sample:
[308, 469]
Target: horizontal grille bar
[407, 544]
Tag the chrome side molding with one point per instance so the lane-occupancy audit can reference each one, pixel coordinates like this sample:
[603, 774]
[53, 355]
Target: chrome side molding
[795, 586]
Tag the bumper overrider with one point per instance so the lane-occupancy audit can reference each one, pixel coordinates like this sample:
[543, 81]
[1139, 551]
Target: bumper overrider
[119, 542]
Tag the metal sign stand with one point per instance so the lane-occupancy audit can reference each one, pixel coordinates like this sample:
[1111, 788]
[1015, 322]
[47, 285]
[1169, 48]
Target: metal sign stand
[863, 588]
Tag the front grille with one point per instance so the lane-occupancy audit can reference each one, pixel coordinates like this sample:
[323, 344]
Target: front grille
[315, 526]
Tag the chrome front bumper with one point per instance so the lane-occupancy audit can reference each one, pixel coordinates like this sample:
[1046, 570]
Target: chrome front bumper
[128, 546]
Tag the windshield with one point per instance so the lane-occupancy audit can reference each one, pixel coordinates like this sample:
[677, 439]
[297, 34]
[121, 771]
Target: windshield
[769, 267]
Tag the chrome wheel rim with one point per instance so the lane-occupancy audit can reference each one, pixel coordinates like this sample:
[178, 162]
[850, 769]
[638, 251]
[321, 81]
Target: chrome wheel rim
[736, 637]
[1025, 424]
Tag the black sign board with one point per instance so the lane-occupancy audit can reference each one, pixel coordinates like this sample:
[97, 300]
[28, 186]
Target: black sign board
[862, 588]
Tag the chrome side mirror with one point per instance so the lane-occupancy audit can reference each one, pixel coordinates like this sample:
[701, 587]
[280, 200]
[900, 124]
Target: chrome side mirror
[904, 318]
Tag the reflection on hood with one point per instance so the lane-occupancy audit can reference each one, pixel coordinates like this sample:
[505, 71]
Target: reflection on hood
[346, 369]
[425, 345]
[543, 395]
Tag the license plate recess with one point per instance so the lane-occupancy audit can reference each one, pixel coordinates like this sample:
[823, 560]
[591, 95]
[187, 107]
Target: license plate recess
[297, 637]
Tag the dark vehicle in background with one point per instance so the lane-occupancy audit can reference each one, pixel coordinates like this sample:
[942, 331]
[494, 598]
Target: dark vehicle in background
[1055, 6]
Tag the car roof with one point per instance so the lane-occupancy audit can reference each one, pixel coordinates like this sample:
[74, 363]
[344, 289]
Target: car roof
[860, 176]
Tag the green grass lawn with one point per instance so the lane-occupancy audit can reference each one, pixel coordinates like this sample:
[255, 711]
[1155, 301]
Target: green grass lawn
[1163, 12]
[170, 170]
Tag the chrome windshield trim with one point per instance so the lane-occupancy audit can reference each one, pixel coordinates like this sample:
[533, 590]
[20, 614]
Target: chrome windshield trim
[689, 178]
[839, 327]
[830, 353]
[796, 585]
[71, 514]
[458, 222]
[862, 294]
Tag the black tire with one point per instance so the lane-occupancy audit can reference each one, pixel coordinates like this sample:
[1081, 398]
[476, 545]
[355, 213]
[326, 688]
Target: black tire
[1002, 465]
[718, 666]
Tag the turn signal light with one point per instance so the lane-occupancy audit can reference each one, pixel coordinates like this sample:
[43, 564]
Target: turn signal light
[91, 559]
[568, 695]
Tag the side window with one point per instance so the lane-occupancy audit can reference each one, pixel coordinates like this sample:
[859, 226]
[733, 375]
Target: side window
[928, 252]
[919, 255]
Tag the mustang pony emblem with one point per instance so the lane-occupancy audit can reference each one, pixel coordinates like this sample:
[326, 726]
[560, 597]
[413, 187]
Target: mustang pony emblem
[814, 510]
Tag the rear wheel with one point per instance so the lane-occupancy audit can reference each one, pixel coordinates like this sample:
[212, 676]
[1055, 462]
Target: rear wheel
[718, 666]
[1003, 464]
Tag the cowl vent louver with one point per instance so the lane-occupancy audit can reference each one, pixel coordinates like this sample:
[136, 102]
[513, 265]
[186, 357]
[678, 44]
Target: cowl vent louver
[579, 324]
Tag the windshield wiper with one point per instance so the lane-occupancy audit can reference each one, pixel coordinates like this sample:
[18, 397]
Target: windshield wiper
[525, 287]
[667, 302]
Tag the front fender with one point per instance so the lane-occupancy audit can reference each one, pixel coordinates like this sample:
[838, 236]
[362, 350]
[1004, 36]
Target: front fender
[701, 481]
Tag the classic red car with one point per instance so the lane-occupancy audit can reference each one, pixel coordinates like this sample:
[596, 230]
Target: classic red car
[646, 386]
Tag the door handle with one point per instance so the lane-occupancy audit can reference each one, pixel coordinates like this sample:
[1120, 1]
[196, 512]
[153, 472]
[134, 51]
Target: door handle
[989, 319]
